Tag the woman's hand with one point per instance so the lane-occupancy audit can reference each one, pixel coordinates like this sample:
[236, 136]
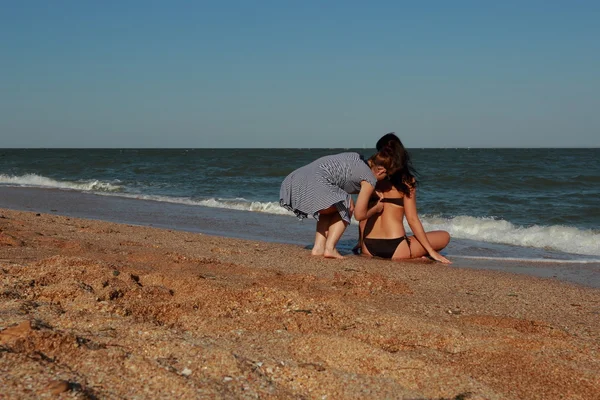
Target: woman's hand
[438, 257]
[351, 210]
[379, 206]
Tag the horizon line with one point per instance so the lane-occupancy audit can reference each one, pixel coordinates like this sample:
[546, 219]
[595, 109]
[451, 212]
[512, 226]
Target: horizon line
[292, 148]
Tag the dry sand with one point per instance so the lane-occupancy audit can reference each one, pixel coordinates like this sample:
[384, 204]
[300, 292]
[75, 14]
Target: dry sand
[91, 309]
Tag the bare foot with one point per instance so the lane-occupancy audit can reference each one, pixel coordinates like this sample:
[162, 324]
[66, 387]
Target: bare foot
[317, 251]
[333, 254]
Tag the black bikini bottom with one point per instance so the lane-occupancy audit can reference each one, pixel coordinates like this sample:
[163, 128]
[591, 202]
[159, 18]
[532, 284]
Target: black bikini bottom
[385, 248]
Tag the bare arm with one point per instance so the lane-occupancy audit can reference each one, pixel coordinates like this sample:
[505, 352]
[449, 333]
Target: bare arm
[361, 208]
[412, 217]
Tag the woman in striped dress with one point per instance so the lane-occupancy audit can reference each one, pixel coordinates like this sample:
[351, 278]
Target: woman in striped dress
[322, 189]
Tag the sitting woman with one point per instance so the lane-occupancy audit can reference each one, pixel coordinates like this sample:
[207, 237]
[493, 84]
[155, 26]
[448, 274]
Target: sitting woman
[383, 235]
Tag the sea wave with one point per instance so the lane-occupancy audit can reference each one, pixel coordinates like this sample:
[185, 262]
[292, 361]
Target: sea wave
[556, 237]
[245, 205]
[232, 204]
[34, 180]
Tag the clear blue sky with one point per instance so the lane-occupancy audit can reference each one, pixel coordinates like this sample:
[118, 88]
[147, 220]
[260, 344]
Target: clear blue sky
[299, 73]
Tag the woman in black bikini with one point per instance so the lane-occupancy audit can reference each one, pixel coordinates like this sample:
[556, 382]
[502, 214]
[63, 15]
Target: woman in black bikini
[383, 235]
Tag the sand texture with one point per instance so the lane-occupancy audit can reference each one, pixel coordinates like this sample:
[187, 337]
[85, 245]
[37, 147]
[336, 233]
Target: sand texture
[97, 310]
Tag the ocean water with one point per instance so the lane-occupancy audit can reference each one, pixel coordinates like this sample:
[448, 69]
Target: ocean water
[539, 205]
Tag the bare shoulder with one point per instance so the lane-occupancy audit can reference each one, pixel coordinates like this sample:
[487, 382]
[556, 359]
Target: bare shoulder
[388, 190]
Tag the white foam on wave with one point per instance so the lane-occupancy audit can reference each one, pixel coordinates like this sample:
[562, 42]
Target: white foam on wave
[561, 238]
[245, 205]
[231, 204]
[556, 237]
[34, 180]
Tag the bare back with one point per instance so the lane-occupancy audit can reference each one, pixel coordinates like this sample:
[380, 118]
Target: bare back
[389, 223]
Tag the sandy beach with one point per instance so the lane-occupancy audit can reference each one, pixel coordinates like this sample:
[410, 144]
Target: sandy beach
[97, 310]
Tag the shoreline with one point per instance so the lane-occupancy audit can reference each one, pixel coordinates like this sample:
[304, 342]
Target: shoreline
[114, 310]
[270, 228]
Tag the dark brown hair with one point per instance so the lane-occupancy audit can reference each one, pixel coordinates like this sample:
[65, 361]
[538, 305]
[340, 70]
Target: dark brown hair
[387, 157]
[405, 177]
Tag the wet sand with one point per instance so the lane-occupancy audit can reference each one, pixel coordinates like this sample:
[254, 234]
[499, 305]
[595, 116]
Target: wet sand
[92, 309]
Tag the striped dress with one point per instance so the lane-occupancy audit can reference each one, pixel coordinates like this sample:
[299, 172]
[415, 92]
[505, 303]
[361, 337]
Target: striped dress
[325, 182]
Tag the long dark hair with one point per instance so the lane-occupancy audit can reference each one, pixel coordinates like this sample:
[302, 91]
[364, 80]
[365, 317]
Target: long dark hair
[405, 178]
[387, 157]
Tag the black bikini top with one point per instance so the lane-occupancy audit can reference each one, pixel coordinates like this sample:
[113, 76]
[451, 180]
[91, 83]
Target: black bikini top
[399, 201]
[396, 201]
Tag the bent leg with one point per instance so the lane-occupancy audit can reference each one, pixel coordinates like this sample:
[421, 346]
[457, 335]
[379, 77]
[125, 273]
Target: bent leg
[337, 227]
[322, 230]
[321, 235]
[437, 239]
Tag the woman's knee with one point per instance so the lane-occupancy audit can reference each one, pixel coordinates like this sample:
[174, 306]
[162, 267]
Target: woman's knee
[443, 238]
[446, 236]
